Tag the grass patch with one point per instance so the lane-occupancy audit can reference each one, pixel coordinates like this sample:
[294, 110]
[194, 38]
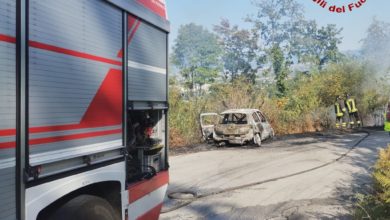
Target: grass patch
[377, 205]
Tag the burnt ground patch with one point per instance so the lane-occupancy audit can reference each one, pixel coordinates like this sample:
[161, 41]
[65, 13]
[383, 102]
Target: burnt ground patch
[285, 141]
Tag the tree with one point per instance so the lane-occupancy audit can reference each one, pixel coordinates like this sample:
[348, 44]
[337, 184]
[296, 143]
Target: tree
[284, 29]
[196, 53]
[320, 45]
[376, 45]
[239, 51]
[278, 23]
[278, 65]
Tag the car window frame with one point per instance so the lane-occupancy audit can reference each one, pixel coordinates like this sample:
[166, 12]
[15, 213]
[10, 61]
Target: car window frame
[233, 118]
[262, 117]
[255, 116]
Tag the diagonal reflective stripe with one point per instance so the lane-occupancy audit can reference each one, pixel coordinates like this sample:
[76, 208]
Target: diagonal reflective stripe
[7, 163]
[7, 139]
[56, 155]
[70, 132]
[146, 203]
[141, 66]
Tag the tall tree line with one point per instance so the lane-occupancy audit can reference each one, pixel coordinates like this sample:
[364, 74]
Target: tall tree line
[280, 37]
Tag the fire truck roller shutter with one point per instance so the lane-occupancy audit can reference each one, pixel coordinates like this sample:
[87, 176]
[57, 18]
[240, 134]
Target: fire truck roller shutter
[147, 52]
[75, 75]
[7, 109]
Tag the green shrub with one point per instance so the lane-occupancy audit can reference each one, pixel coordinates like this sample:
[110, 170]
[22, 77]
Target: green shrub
[377, 205]
[306, 107]
[382, 176]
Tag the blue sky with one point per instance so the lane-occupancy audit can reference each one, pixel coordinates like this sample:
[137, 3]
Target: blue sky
[210, 12]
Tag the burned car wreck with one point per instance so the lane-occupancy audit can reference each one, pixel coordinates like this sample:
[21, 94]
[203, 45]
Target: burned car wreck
[236, 126]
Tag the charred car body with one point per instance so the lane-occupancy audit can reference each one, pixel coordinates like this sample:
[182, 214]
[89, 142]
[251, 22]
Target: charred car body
[236, 126]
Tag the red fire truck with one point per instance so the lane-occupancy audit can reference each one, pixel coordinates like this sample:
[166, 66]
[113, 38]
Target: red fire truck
[83, 109]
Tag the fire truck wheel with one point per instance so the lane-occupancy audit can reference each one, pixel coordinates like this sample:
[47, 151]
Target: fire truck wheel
[85, 207]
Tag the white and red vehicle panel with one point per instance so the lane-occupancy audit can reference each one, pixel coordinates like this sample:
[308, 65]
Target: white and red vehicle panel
[146, 198]
[75, 89]
[75, 76]
[7, 108]
[40, 196]
[156, 6]
[147, 64]
[152, 11]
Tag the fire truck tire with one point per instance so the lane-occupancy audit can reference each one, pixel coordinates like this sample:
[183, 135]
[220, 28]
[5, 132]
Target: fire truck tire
[85, 207]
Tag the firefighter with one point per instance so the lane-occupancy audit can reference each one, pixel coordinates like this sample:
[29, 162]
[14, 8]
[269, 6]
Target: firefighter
[352, 111]
[387, 119]
[340, 111]
[344, 110]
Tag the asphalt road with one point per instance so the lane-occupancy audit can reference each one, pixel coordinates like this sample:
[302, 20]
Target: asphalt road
[294, 178]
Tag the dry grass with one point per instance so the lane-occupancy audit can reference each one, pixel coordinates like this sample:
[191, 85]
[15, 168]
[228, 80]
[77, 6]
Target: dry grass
[307, 106]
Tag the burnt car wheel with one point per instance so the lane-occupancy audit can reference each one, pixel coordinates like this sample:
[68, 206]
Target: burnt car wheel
[257, 140]
[272, 135]
[221, 143]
